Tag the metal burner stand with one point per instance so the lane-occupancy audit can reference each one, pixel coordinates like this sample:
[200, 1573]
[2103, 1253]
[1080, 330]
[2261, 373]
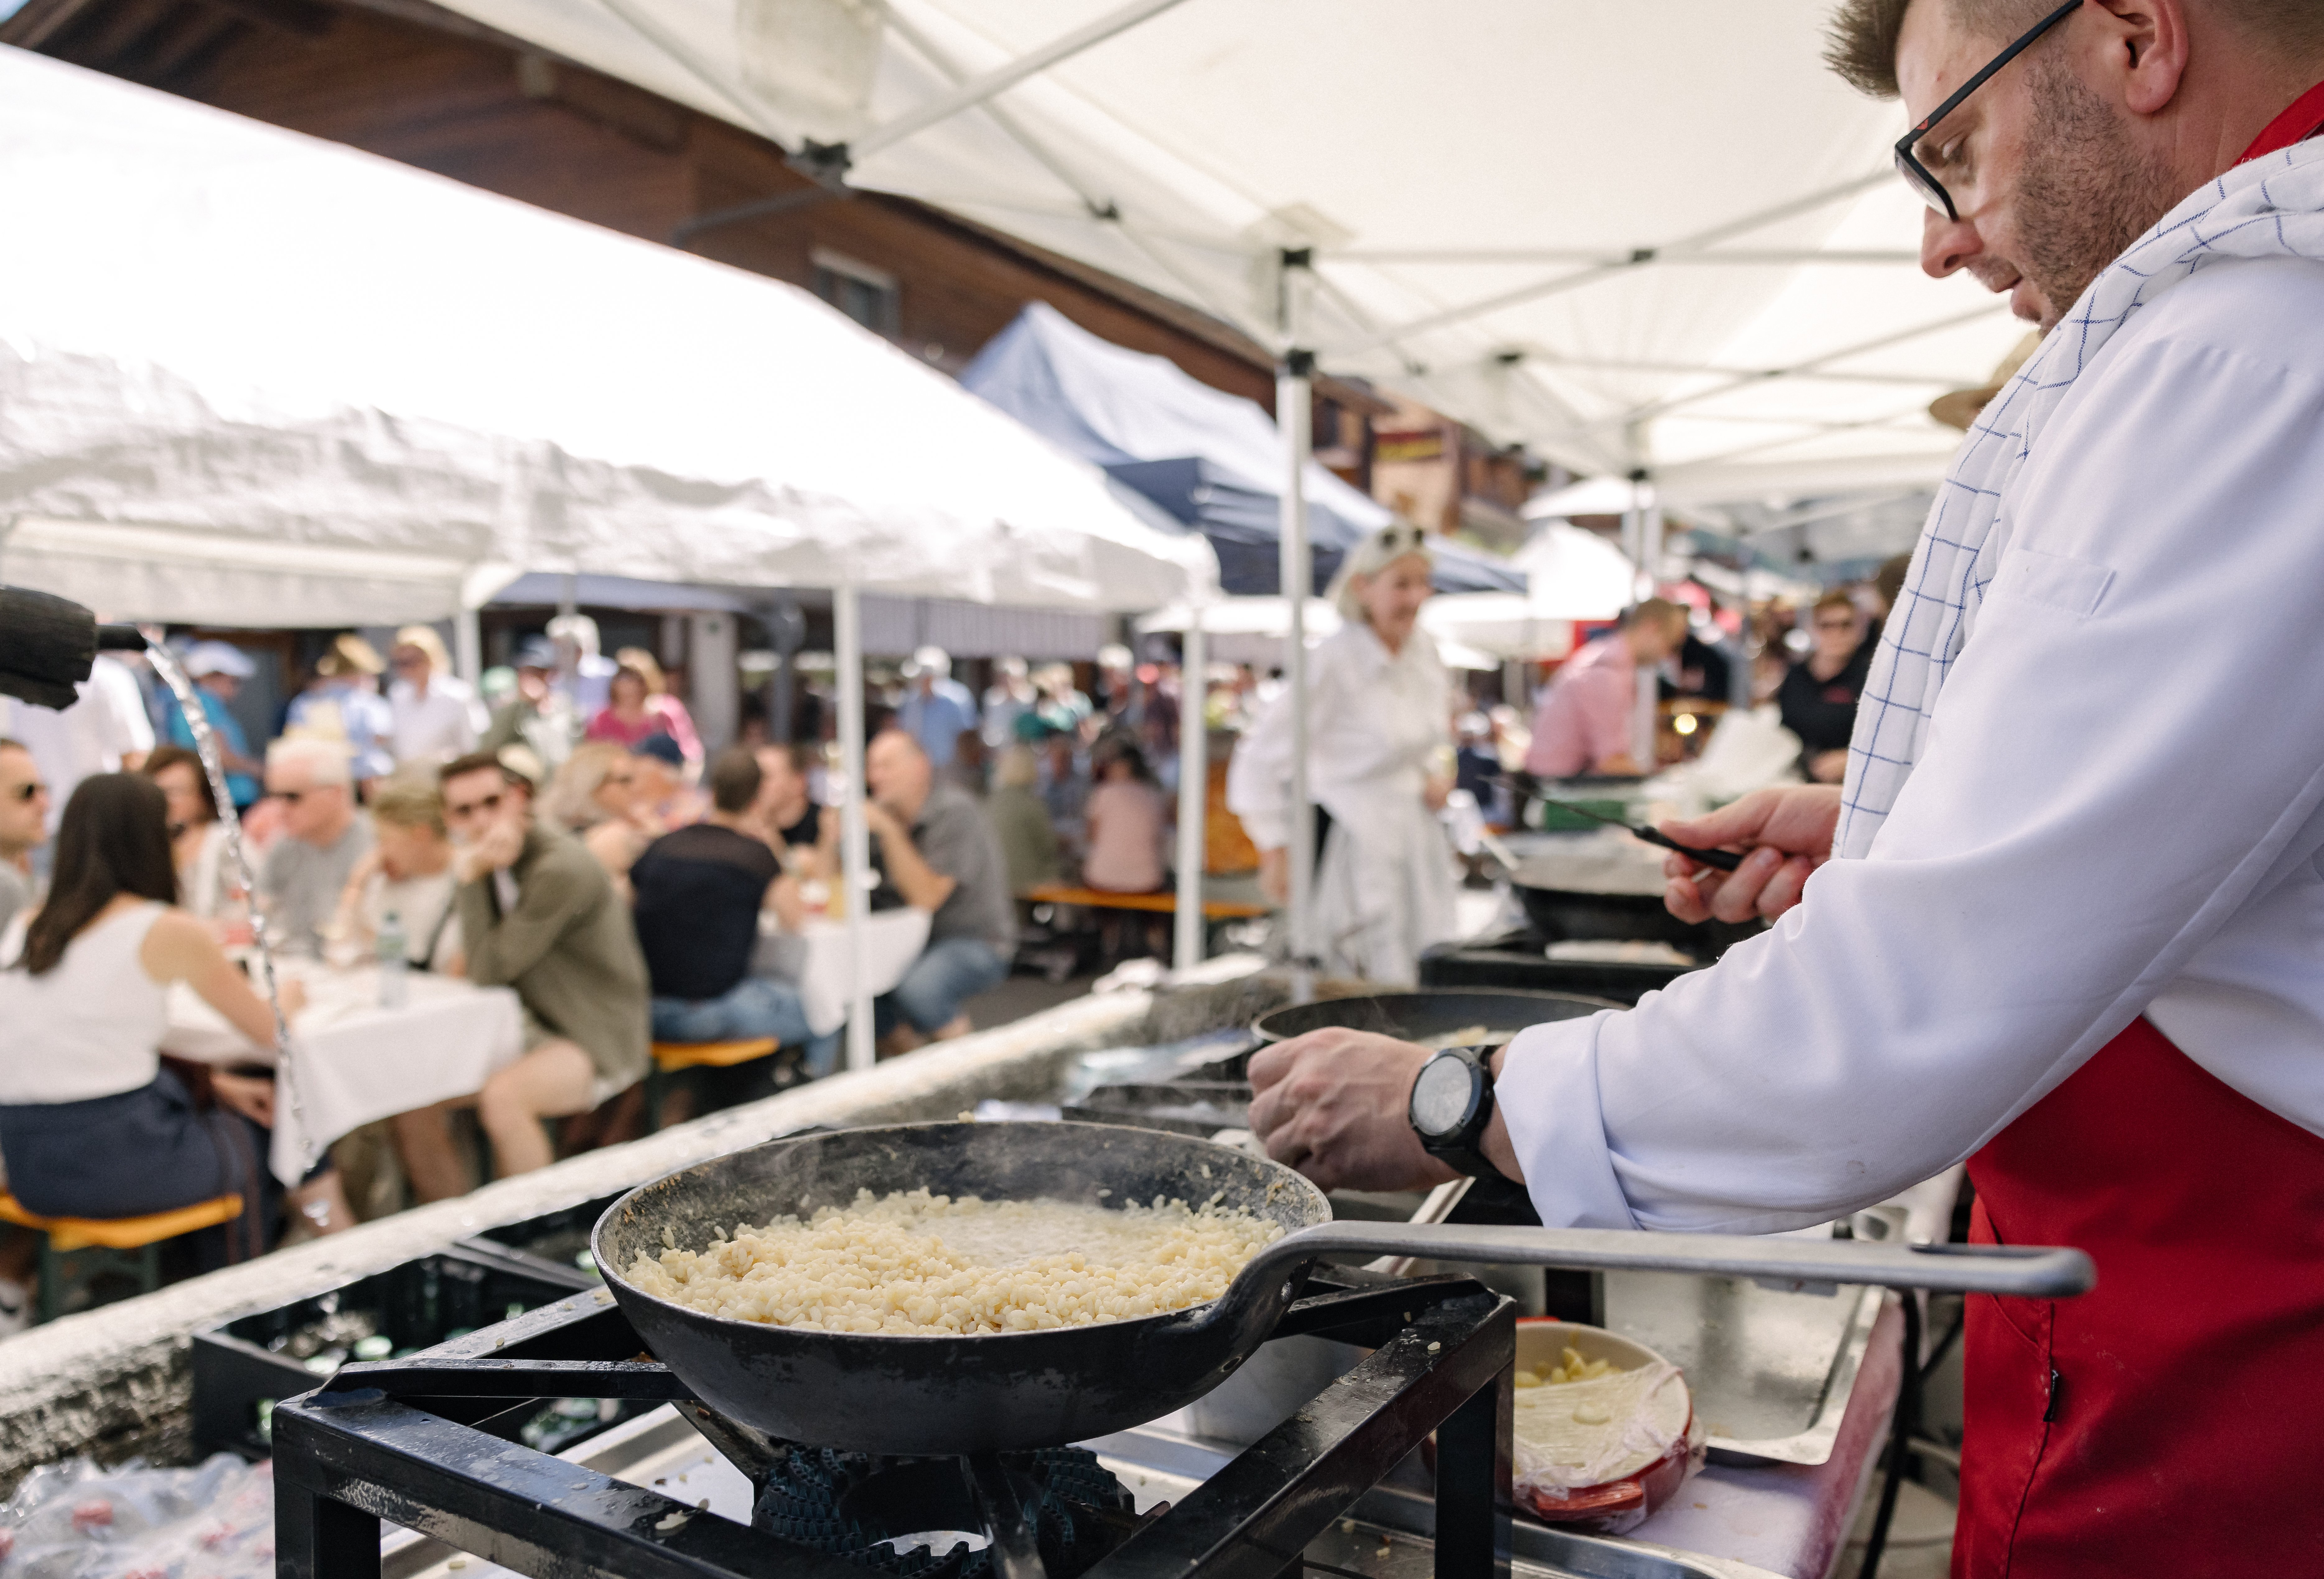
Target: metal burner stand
[424, 1443]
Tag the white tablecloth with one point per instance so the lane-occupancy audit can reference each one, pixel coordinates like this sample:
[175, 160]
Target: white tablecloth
[814, 959]
[352, 1061]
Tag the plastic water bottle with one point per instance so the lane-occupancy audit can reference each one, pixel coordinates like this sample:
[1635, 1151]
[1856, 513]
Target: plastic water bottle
[394, 984]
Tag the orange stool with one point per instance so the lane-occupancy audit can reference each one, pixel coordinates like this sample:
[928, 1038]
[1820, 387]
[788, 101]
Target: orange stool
[669, 1057]
[96, 1245]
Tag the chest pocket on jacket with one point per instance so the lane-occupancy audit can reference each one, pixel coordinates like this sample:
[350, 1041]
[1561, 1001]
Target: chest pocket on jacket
[2073, 586]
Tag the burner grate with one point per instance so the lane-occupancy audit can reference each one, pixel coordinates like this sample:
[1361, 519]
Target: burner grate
[427, 1443]
[864, 1508]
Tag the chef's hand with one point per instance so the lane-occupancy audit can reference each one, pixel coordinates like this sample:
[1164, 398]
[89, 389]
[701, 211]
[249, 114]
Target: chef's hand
[1787, 831]
[1336, 1105]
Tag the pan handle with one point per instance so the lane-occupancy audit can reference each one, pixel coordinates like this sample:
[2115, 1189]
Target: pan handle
[2027, 1271]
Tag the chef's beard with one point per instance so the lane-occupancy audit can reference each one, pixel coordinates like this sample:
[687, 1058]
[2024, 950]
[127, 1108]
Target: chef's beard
[2087, 193]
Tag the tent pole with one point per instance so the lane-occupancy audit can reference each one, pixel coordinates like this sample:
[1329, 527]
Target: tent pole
[1294, 392]
[1649, 546]
[855, 838]
[1194, 790]
[467, 643]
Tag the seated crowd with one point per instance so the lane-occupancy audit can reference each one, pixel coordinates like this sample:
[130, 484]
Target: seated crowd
[619, 883]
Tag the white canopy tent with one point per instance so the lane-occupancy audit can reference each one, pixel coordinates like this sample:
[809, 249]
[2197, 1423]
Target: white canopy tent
[1633, 237]
[1660, 240]
[214, 328]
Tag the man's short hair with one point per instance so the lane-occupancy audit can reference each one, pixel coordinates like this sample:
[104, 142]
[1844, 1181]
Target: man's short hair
[477, 761]
[734, 779]
[1835, 598]
[325, 761]
[1656, 611]
[1861, 43]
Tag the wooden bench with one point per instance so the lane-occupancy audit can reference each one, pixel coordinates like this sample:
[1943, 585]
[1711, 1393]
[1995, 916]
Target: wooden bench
[77, 1251]
[669, 1057]
[1161, 904]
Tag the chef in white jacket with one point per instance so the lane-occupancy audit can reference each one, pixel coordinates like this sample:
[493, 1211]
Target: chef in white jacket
[1379, 726]
[2065, 918]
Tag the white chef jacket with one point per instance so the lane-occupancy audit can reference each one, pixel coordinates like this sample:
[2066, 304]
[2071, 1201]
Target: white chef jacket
[1385, 889]
[2119, 809]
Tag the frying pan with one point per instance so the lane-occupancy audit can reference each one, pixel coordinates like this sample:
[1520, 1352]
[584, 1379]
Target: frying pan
[1503, 1012]
[1009, 1391]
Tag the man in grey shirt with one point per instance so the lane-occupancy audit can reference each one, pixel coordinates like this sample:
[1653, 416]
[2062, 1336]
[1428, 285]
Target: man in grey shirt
[23, 826]
[323, 837]
[939, 854]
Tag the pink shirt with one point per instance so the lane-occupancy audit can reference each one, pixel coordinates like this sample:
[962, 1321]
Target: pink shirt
[1584, 716]
[1125, 822]
[665, 714]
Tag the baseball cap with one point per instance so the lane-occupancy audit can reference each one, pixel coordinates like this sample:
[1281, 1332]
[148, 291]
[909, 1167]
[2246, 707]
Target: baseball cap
[217, 658]
[663, 749]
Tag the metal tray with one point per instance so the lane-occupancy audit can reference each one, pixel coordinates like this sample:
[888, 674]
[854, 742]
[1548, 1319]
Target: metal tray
[1389, 1533]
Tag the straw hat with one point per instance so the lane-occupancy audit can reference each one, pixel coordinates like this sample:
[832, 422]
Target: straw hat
[349, 654]
[1959, 408]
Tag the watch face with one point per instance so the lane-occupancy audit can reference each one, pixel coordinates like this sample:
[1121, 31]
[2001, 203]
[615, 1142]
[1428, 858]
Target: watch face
[1441, 1097]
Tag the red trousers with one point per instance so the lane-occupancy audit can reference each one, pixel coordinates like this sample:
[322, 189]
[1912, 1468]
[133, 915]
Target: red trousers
[2171, 1421]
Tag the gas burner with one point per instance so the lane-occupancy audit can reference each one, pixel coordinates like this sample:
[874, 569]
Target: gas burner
[428, 1442]
[877, 1512]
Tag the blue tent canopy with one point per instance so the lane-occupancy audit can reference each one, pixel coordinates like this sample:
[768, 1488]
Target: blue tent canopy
[1209, 460]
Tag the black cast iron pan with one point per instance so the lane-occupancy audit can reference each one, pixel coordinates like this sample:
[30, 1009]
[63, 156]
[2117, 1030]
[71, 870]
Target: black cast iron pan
[1416, 1017]
[897, 1394]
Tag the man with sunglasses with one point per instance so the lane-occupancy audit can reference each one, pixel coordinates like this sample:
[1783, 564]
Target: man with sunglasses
[324, 835]
[538, 914]
[2064, 917]
[23, 826]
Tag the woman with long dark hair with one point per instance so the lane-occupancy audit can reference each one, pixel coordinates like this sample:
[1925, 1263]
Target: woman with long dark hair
[91, 1123]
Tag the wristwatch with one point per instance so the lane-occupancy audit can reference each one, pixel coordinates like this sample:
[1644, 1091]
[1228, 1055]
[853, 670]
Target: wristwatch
[1452, 1103]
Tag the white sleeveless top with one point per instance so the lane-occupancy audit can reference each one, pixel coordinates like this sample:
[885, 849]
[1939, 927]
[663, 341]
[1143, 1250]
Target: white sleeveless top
[92, 1027]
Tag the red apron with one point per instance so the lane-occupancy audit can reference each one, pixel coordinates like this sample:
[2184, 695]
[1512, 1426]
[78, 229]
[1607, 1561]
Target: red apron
[2171, 1421]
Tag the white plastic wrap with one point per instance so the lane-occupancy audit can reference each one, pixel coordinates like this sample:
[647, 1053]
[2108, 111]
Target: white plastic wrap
[74, 1520]
[1646, 1415]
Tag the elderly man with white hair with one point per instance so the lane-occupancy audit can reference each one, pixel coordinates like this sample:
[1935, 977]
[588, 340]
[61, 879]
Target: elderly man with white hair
[324, 835]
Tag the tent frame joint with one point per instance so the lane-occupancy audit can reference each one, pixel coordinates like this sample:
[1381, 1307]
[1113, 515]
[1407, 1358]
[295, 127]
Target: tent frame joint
[825, 164]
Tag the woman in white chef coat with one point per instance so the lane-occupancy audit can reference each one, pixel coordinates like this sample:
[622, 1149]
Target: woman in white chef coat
[1378, 731]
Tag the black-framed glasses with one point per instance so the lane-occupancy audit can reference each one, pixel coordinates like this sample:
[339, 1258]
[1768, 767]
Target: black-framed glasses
[1916, 174]
[483, 803]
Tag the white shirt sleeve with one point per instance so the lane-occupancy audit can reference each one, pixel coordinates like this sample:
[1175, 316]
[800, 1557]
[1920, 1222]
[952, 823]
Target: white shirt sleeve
[2125, 754]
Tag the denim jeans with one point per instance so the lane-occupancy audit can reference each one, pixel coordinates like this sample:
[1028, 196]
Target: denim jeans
[946, 975]
[756, 1006]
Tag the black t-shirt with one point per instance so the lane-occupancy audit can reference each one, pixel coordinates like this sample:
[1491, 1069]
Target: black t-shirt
[808, 829]
[1822, 712]
[699, 890]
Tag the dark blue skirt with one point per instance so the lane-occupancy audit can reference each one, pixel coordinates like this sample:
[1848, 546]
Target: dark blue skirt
[139, 1152]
